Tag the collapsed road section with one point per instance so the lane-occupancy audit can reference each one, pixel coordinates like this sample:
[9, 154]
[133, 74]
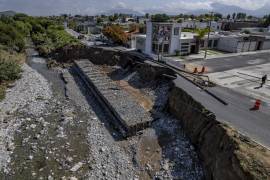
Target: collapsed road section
[224, 152]
[114, 99]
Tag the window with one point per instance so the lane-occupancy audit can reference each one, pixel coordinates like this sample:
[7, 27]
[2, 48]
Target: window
[185, 44]
[215, 43]
[176, 31]
[210, 43]
[202, 43]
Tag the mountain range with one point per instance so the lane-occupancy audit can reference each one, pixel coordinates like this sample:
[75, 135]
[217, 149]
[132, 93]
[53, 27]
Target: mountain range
[7, 13]
[216, 7]
[230, 9]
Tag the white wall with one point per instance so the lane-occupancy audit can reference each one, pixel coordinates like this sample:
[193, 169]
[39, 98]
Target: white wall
[133, 42]
[191, 24]
[266, 45]
[148, 42]
[246, 46]
[140, 43]
[175, 43]
[228, 44]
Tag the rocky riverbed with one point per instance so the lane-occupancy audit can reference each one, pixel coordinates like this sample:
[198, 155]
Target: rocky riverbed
[55, 129]
[30, 96]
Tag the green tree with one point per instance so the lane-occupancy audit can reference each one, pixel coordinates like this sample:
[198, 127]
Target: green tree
[113, 18]
[160, 18]
[201, 34]
[179, 20]
[72, 24]
[266, 21]
[99, 20]
[241, 15]
[218, 16]
[9, 71]
[233, 16]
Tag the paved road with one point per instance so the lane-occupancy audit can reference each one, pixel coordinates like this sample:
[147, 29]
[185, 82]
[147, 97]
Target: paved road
[254, 124]
[228, 63]
[245, 80]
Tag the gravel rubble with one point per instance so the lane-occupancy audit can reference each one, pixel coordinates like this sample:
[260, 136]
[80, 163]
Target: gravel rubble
[30, 95]
[110, 161]
[67, 135]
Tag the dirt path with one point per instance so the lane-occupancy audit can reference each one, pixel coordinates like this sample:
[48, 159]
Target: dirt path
[141, 99]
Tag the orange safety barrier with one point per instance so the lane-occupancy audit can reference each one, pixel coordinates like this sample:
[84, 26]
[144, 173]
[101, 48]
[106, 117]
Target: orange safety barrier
[256, 105]
[203, 70]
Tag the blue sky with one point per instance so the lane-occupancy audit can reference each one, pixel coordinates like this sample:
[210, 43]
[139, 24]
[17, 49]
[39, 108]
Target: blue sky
[49, 7]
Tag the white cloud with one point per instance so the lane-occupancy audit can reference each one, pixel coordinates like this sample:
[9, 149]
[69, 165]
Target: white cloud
[245, 4]
[121, 5]
[46, 7]
[188, 5]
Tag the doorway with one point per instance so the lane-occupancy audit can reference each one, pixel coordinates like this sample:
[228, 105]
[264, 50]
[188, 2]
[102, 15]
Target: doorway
[259, 46]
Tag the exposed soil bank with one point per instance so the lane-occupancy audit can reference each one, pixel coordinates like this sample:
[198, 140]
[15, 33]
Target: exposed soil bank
[225, 153]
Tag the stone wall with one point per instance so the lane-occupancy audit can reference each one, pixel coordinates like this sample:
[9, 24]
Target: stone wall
[226, 155]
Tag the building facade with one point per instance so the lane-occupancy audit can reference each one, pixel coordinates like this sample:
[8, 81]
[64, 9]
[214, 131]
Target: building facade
[193, 24]
[168, 39]
[162, 38]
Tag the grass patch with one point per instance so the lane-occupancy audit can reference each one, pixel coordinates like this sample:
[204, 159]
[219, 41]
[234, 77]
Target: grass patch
[52, 37]
[2, 92]
[10, 69]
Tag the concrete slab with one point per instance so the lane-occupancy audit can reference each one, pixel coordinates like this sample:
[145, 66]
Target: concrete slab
[233, 62]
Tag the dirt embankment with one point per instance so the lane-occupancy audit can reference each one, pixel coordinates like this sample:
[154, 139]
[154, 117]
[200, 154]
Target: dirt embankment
[225, 153]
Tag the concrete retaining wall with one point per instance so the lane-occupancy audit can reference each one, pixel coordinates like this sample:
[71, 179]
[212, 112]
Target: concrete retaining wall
[129, 116]
[226, 155]
[112, 56]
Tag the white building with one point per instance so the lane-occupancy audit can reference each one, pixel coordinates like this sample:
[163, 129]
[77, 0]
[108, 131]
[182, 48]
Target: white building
[162, 37]
[192, 24]
[138, 42]
[167, 38]
[236, 43]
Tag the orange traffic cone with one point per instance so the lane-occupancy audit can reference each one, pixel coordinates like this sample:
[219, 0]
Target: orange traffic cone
[195, 70]
[203, 70]
[256, 105]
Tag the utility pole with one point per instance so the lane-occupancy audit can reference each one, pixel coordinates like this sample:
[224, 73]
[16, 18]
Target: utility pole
[208, 36]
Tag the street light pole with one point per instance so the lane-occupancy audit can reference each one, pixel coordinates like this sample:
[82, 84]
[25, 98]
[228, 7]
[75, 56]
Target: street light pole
[208, 36]
[158, 51]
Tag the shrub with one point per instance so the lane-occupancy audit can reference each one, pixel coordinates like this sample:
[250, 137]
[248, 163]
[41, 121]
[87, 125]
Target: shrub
[177, 52]
[12, 35]
[160, 18]
[9, 71]
[2, 92]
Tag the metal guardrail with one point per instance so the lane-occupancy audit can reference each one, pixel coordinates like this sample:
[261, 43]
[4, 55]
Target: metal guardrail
[180, 71]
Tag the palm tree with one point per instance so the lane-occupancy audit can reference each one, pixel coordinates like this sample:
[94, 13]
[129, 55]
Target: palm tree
[200, 35]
